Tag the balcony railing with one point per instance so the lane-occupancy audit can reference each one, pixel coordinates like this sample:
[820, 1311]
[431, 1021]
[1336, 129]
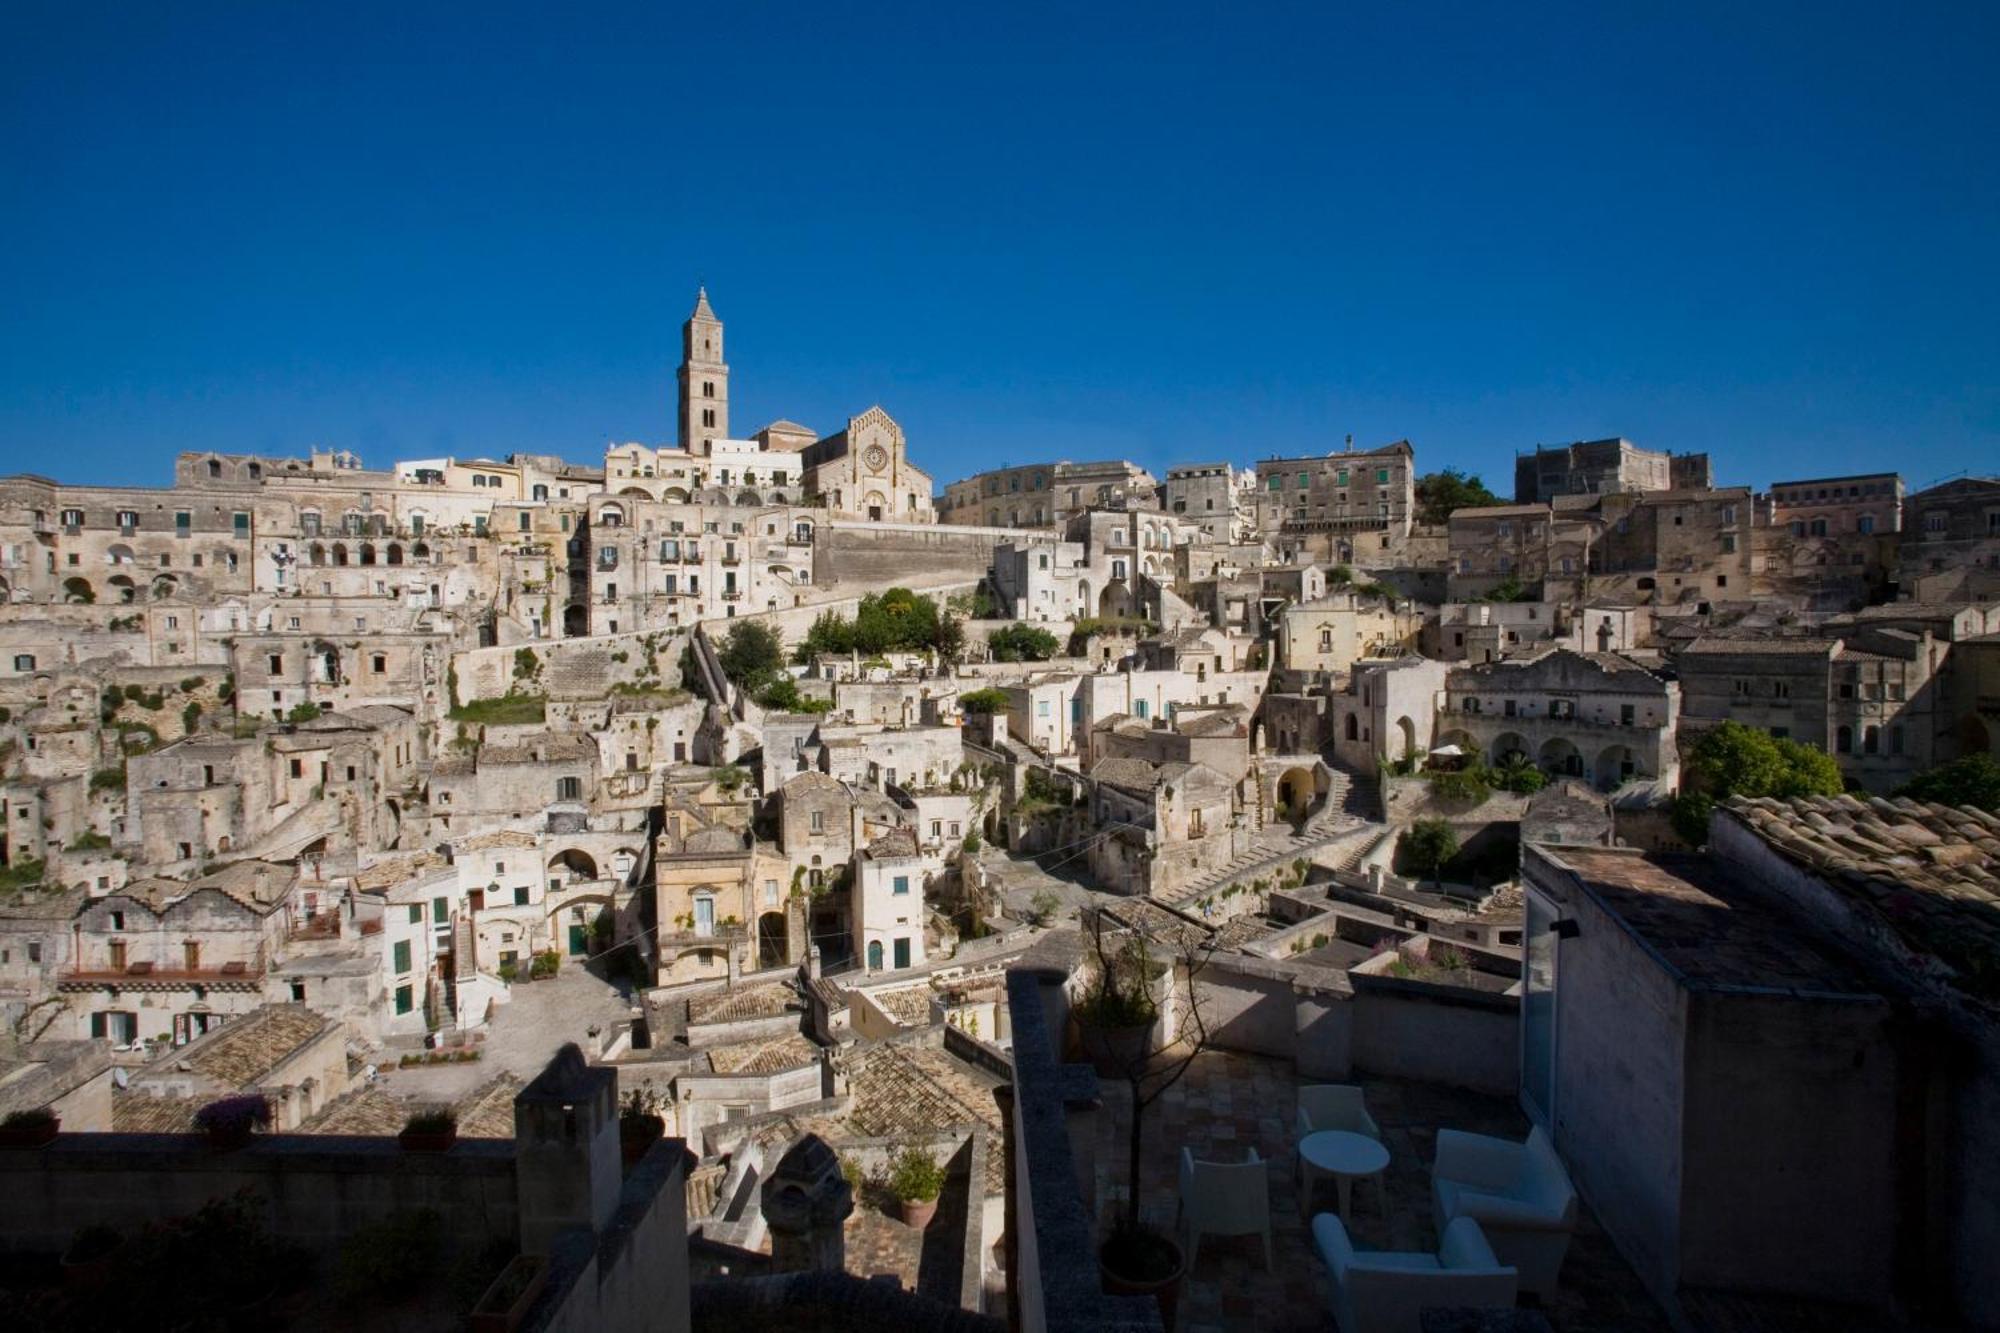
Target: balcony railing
[142, 975]
[732, 594]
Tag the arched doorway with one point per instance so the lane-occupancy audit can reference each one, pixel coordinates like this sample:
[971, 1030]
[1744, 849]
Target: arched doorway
[1506, 743]
[1974, 737]
[1406, 730]
[1295, 794]
[1616, 766]
[1560, 757]
[771, 940]
[572, 865]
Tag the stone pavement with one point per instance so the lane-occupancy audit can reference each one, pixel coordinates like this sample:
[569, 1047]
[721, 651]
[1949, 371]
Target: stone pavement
[532, 1026]
[1228, 1102]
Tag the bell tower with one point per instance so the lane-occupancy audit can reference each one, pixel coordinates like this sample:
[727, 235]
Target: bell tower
[704, 380]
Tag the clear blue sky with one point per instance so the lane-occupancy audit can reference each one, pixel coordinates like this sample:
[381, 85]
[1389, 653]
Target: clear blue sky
[1171, 234]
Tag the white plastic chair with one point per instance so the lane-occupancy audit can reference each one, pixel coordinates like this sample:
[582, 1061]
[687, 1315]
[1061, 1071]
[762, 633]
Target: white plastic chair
[1225, 1199]
[1519, 1193]
[1333, 1106]
[1384, 1291]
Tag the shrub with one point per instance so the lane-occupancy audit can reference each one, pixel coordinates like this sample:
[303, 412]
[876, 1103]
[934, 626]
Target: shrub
[1043, 907]
[1467, 785]
[751, 654]
[108, 779]
[440, 1121]
[304, 712]
[916, 1177]
[40, 1119]
[1021, 643]
[526, 665]
[983, 702]
[1430, 843]
[235, 1114]
[545, 965]
[88, 841]
[190, 717]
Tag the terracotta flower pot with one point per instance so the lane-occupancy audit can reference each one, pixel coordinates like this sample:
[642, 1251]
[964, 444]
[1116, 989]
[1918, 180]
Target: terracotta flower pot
[1155, 1270]
[918, 1212]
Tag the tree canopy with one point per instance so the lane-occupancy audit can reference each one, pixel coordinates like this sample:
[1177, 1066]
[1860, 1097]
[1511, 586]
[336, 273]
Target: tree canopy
[981, 702]
[1735, 760]
[1973, 780]
[1438, 493]
[1430, 843]
[892, 620]
[752, 654]
[1021, 643]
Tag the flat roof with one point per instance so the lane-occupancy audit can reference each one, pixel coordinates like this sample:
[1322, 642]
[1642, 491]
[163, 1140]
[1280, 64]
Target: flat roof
[1705, 929]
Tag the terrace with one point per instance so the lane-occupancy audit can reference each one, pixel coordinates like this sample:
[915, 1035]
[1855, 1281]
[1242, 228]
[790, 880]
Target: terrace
[1401, 1045]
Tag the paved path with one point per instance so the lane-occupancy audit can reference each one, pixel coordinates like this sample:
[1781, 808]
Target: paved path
[525, 1032]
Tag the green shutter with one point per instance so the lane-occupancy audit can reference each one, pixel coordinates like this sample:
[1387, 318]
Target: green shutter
[402, 956]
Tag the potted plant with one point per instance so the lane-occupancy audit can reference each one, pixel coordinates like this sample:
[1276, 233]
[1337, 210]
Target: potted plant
[29, 1129]
[1136, 1259]
[506, 1301]
[429, 1131]
[639, 1127]
[88, 1261]
[916, 1180]
[230, 1121]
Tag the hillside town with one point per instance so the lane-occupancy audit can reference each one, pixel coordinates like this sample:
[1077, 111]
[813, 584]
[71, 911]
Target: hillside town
[699, 881]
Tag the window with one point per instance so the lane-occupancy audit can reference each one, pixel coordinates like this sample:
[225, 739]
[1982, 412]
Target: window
[819, 821]
[520, 895]
[24, 661]
[379, 663]
[902, 951]
[902, 887]
[1843, 740]
[874, 955]
[241, 523]
[402, 957]
[1729, 543]
[183, 523]
[72, 518]
[1865, 524]
[1041, 708]
[1277, 481]
[1871, 740]
[1305, 480]
[440, 910]
[1381, 476]
[403, 999]
[1934, 522]
[1627, 715]
[569, 789]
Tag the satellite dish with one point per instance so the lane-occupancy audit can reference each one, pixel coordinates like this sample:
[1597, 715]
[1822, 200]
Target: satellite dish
[121, 1076]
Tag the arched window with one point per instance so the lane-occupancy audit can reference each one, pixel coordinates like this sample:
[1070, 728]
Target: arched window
[479, 480]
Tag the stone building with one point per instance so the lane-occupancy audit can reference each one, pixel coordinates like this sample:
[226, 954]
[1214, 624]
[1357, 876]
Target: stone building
[864, 472]
[1163, 825]
[1328, 636]
[163, 961]
[1951, 542]
[1364, 498]
[1587, 715]
[1041, 495]
[1870, 698]
[1214, 495]
[1603, 466]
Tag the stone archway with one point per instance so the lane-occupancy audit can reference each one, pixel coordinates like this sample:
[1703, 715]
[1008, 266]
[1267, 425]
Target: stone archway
[1561, 757]
[771, 940]
[1974, 736]
[1616, 765]
[1296, 793]
[1406, 730]
[1506, 743]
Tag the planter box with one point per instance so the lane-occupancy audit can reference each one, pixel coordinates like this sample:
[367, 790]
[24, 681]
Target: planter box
[507, 1301]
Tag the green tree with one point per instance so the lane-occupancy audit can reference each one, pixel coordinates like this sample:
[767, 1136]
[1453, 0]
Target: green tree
[950, 639]
[896, 618]
[1042, 908]
[1438, 493]
[1735, 760]
[1973, 780]
[1021, 643]
[1517, 775]
[1430, 843]
[831, 634]
[983, 702]
[782, 695]
[752, 655]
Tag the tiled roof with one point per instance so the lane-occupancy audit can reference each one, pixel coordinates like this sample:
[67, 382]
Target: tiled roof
[908, 1005]
[1930, 872]
[763, 1057]
[1761, 647]
[907, 1090]
[771, 999]
[249, 1048]
[485, 1113]
[142, 1113]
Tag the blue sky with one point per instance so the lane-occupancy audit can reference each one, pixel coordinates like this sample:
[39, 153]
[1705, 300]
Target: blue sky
[1168, 233]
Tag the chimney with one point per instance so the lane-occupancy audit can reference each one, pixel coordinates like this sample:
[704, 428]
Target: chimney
[806, 1204]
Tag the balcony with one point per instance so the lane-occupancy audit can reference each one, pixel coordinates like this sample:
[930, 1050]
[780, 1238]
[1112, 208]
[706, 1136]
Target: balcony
[143, 976]
[732, 594]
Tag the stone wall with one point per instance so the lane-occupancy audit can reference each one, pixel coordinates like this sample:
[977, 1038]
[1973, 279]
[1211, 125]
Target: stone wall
[885, 554]
[317, 1190]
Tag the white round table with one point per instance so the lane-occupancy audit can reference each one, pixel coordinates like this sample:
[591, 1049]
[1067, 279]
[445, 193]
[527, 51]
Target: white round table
[1343, 1155]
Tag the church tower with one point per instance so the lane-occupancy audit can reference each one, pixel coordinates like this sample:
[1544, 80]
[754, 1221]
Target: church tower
[704, 380]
